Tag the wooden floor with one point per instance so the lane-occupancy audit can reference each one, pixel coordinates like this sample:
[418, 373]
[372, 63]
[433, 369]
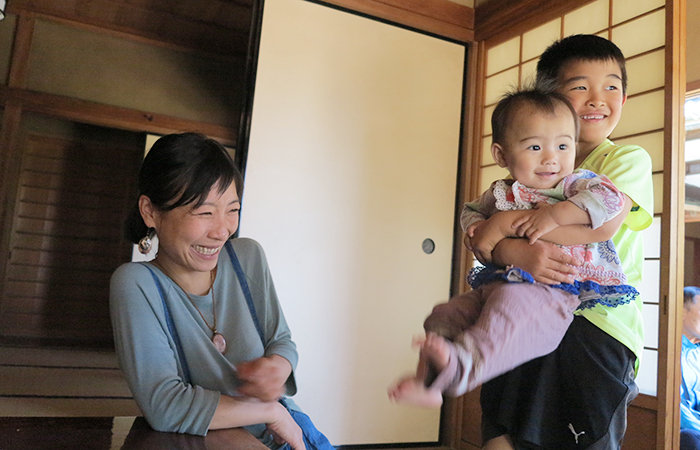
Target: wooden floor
[62, 383]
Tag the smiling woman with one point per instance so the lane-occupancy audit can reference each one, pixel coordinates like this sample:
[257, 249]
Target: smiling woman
[173, 316]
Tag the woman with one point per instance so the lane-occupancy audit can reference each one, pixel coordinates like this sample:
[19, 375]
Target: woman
[184, 332]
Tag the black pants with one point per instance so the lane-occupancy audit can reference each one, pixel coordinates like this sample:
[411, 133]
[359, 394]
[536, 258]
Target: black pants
[574, 398]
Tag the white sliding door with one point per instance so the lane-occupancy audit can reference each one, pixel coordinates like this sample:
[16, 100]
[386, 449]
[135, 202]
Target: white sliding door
[352, 165]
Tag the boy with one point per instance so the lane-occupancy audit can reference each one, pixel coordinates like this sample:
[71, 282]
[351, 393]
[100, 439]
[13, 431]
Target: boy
[507, 319]
[577, 396]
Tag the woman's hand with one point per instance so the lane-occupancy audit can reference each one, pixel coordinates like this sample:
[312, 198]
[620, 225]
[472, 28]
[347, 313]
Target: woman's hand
[284, 429]
[264, 377]
[543, 260]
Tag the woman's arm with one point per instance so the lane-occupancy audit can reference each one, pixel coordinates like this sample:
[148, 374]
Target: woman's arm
[231, 413]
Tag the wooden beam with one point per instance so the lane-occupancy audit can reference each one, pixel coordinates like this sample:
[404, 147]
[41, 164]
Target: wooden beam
[151, 24]
[19, 63]
[503, 19]
[438, 17]
[672, 231]
[112, 116]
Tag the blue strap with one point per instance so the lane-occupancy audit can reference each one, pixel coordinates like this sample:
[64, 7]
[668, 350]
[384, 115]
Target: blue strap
[246, 290]
[171, 327]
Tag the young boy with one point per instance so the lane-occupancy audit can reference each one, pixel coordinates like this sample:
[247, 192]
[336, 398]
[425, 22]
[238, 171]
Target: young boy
[507, 319]
[577, 396]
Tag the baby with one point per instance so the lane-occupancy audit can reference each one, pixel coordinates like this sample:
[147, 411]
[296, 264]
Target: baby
[508, 318]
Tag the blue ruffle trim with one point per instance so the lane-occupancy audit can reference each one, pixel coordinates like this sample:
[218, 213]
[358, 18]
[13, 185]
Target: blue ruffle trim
[589, 292]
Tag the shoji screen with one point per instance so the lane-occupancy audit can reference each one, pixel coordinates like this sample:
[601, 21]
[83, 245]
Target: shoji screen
[637, 27]
[352, 165]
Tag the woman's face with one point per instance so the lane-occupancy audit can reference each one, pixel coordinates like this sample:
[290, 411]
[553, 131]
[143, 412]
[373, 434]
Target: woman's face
[190, 239]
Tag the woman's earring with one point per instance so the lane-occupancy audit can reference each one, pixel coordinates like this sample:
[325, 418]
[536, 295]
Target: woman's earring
[145, 244]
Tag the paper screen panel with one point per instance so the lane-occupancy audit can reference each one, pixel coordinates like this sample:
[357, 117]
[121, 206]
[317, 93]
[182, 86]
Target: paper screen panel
[537, 40]
[640, 114]
[641, 35]
[499, 84]
[503, 56]
[627, 9]
[645, 72]
[587, 20]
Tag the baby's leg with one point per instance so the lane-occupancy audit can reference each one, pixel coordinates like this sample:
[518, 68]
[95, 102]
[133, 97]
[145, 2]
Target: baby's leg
[519, 322]
[459, 313]
[416, 390]
[447, 321]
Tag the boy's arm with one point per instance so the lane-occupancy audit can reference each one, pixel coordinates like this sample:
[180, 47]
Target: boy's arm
[543, 260]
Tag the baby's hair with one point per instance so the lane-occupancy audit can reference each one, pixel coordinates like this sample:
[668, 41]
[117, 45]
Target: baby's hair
[542, 100]
[578, 47]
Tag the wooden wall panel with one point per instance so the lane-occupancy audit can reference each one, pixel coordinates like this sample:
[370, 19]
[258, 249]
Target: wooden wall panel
[66, 241]
[644, 436]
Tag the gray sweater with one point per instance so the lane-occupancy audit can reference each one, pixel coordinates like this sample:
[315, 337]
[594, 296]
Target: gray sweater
[147, 352]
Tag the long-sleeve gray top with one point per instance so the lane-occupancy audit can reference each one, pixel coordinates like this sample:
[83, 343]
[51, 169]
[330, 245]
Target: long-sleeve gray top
[147, 352]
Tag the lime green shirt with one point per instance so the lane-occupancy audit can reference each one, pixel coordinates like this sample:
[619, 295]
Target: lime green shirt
[629, 168]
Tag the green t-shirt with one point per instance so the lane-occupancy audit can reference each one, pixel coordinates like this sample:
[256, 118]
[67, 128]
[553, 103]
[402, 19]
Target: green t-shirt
[629, 168]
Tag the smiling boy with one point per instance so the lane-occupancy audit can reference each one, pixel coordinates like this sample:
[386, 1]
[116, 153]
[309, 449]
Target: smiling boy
[577, 396]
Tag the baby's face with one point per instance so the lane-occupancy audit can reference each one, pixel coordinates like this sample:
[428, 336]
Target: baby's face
[540, 147]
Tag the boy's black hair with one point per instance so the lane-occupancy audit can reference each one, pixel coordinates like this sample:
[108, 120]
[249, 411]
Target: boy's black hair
[578, 47]
[545, 101]
[689, 294]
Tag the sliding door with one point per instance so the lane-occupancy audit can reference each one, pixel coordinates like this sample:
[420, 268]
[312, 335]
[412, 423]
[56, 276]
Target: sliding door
[350, 188]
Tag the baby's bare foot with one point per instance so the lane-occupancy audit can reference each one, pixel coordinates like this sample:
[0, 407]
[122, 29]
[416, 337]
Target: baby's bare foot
[411, 391]
[436, 351]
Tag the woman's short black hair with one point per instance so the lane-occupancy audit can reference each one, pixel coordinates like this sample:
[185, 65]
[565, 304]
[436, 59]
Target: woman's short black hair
[181, 169]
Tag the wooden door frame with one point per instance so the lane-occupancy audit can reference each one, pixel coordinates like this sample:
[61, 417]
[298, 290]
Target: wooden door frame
[488, 26]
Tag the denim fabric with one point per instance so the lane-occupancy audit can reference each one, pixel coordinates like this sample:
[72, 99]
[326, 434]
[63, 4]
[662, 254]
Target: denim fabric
[313, 439]
[690, 440]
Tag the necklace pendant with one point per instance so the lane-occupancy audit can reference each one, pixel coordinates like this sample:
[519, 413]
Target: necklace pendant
[219, 342]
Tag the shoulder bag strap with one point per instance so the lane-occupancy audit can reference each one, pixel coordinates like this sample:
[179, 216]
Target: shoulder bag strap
[171, 326]
[246, 290]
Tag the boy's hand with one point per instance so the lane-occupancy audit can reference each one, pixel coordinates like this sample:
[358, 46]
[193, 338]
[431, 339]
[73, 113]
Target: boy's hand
[543, 260]
[536, 222]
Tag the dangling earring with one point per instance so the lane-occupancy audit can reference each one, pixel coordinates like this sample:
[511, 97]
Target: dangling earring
[145, 244]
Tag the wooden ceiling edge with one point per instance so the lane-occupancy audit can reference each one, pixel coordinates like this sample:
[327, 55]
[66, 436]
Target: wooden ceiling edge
[132, 34]
[520, 16]
[692, 86]
[434, 24]
[113, 116]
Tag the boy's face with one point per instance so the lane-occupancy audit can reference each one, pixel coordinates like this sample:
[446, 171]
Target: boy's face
[540, 147]
[594, 88]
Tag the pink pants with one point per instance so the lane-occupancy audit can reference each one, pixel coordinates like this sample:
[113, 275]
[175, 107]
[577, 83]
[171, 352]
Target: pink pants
[498, 327]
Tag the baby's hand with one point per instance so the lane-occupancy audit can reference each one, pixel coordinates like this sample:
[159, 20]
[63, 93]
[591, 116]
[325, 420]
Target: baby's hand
[536, 223]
